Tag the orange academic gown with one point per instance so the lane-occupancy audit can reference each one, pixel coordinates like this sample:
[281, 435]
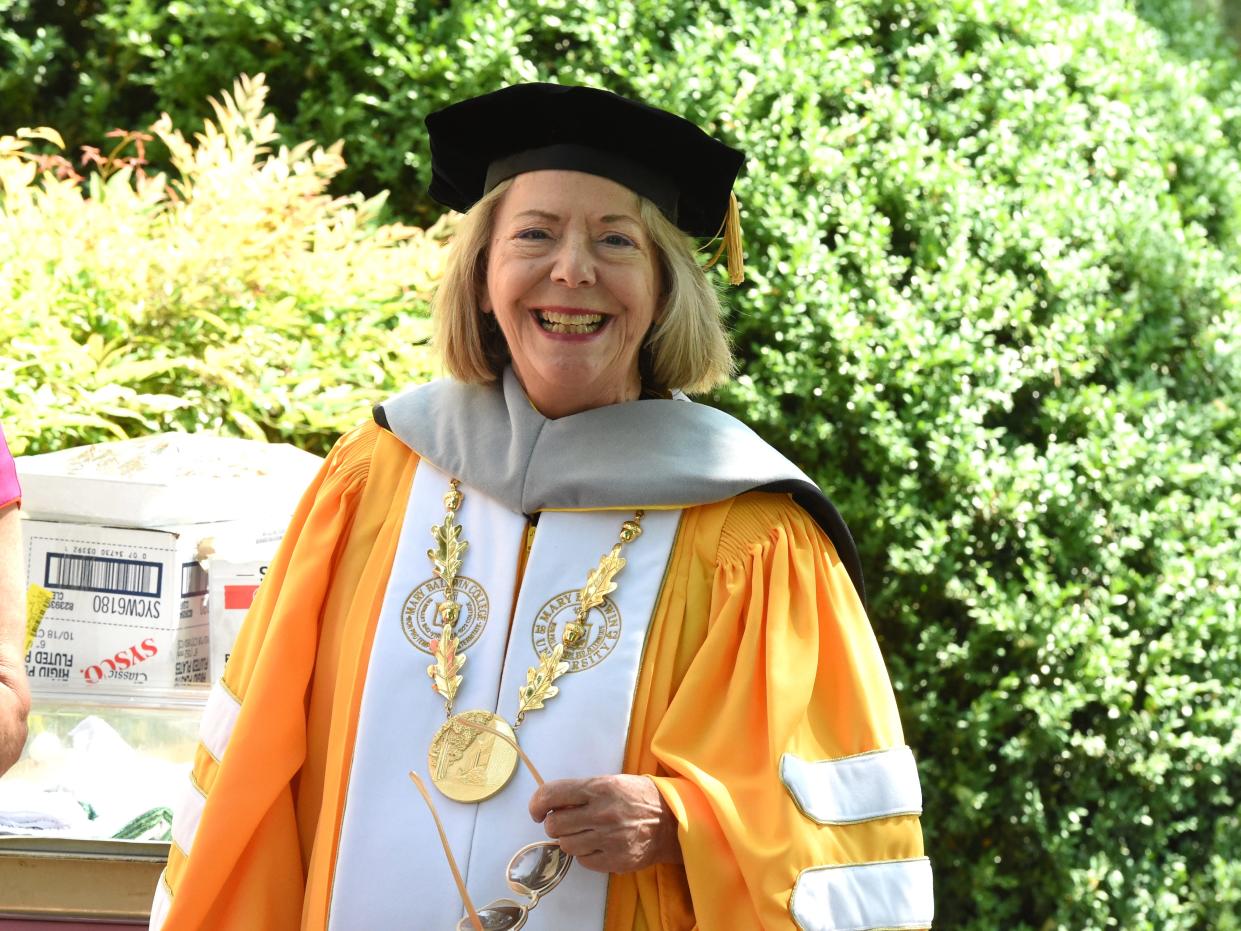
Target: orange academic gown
[758, 646]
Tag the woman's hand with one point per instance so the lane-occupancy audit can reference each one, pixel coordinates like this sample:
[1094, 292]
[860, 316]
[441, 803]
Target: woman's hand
[611, 824]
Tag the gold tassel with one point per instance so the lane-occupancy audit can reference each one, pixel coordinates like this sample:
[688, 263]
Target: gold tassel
[731, 243]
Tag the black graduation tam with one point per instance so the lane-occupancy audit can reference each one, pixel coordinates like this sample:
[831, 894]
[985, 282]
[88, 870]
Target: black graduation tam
[477, 143]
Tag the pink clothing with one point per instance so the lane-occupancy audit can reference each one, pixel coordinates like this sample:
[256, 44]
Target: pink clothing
[10, 491]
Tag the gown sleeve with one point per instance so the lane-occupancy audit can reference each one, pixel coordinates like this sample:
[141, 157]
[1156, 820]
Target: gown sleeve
[780, 747]
[236, 861]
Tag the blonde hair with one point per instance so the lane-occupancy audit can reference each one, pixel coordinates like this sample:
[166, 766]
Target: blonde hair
[688, 348]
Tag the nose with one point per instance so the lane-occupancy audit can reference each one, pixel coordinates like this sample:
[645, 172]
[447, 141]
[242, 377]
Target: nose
[574, 264]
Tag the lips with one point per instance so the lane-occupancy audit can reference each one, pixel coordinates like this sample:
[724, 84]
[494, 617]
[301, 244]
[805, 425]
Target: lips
[575, 322]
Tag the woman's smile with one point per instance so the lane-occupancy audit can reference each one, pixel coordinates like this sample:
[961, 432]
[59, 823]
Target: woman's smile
[569, 321]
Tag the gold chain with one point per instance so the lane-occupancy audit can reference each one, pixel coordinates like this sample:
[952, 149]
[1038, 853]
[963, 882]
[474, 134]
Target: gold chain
[446, 559]
[539, 687]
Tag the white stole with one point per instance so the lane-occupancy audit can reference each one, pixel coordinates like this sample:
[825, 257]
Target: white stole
[390, 869]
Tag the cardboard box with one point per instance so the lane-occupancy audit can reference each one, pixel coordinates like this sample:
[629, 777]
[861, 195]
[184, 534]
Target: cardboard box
[233, 584]
[166, 480]
[129, 606]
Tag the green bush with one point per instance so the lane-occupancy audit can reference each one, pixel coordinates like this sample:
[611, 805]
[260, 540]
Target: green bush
[1009, 341]
[366, 71]
[235, 295]
[995, 270]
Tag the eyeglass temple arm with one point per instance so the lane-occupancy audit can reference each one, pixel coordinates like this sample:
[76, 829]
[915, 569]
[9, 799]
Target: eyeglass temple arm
[508, 740]
[452, 861]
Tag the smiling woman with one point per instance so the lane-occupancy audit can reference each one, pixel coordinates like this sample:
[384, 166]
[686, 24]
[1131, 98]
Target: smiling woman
[685, 348]
[653, 603]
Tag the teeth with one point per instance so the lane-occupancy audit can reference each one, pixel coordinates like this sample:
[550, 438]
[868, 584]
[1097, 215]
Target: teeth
[553, 322]
[577, 319]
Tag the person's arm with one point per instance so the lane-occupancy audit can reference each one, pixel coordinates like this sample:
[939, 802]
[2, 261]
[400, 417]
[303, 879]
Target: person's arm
[766, 715]
[798, 802]
[14, 690]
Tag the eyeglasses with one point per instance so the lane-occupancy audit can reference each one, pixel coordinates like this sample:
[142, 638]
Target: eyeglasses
[533, 871]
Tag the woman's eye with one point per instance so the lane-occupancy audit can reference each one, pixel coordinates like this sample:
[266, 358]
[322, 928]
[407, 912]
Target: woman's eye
[616, 239]
[534, 234]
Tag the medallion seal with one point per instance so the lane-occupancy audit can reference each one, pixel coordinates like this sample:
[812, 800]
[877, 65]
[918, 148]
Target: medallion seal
[421, 621]
[603, 630]
[469, 765]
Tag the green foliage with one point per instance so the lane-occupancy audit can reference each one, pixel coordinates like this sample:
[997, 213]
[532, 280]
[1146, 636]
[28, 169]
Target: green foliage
[363, 70]
[995, 269]
[238, 296]
[1010, 346]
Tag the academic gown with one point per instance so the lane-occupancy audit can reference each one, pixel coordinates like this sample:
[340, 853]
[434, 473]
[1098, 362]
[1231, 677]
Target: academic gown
[759, 647]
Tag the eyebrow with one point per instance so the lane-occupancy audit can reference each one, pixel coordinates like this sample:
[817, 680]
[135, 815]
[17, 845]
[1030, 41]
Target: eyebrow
[613, 217]
[537, 214]
[548, 215]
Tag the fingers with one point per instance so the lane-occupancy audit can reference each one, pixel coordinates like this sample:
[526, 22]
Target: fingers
[583, 845]
[588, 849]
[599, 862]
[563, 807]
[584, 851]
[558, 793]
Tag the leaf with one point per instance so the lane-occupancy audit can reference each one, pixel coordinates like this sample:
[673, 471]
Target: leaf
[447, 558]
[539, 688]
[445, 671]
[600, 582]
[248, 425]
[46, 133]
[130, 369]
[162, 403]
[67, 419]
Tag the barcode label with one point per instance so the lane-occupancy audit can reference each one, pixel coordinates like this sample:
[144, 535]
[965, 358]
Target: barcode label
[193, 579]
[103, 574]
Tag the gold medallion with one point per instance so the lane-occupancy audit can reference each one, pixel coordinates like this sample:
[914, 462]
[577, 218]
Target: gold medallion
[469, 765]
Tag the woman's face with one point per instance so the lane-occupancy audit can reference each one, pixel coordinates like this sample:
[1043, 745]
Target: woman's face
[573, 279]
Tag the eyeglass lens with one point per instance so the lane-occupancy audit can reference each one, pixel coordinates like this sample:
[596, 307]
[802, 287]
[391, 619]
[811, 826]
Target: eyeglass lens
[533, 871]
[537, 868]
[502, 915]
